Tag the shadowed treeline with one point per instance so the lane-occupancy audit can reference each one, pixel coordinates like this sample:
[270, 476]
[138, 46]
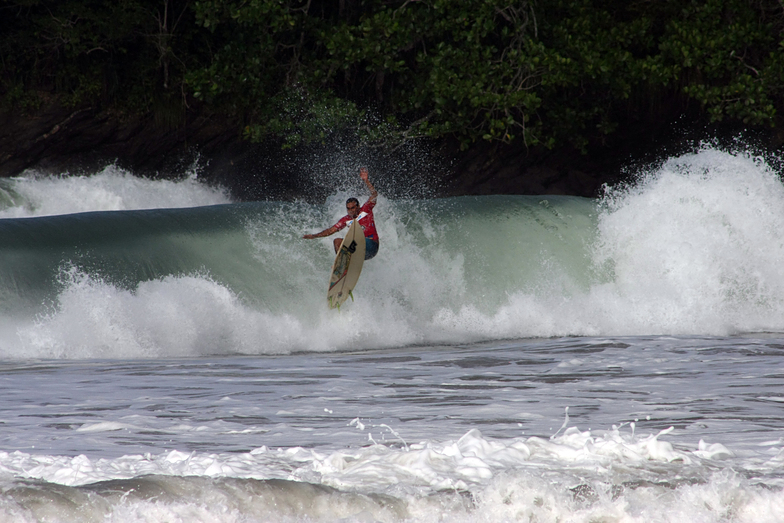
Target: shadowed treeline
[536, 75]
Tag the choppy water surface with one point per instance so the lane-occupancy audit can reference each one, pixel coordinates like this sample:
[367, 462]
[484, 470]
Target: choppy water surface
[589, 420]
[727, 389]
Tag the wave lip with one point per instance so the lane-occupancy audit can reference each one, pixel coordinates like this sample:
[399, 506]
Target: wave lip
[111, 189]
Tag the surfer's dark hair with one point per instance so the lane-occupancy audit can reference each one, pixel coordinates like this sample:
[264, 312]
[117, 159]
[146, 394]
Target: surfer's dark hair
[352, 200]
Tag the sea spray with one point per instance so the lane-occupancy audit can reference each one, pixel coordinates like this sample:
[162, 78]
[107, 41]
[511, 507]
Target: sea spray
[694, 246]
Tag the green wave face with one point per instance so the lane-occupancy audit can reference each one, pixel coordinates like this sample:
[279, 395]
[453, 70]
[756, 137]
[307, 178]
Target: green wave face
[436, 255]
[496, 243]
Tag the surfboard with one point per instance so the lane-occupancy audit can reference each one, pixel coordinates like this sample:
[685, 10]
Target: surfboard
[347, 266]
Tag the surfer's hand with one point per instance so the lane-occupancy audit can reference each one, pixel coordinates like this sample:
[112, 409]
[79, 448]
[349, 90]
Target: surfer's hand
[309, 236]
[363, 173]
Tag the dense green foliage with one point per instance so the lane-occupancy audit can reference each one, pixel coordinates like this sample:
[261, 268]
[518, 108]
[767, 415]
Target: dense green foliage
[547, 73]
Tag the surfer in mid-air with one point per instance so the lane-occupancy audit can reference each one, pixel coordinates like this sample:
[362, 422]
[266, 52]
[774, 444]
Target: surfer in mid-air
[365, 216]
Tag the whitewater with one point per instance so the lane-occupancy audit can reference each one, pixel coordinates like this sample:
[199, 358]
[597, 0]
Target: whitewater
[167, 353]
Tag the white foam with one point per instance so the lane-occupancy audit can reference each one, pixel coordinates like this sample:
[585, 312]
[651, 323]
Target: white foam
[693, 247]
[188, 315]
[111, 189]
[577, 476]
[174, 316]
[469, 461]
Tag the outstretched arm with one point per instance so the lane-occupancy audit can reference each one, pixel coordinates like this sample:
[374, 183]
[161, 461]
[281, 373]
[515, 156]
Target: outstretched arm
[363, 174]
[326, 232]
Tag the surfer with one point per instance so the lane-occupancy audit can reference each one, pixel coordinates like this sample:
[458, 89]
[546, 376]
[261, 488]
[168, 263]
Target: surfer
[366, 220]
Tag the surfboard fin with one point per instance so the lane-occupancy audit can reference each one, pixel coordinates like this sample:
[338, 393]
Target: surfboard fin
[351, 293]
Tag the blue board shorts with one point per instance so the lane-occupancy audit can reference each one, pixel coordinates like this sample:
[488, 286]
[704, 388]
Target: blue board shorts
[371, 248]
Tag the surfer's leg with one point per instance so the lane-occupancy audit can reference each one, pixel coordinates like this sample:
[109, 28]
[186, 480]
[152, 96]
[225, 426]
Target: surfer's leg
[337, 243]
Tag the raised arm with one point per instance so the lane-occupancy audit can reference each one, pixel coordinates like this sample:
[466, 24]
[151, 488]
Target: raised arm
[363, 174]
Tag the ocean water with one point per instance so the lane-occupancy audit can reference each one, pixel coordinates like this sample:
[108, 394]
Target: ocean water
[167, 354]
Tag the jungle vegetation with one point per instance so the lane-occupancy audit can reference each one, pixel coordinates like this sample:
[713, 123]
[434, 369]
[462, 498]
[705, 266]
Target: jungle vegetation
[545, 73]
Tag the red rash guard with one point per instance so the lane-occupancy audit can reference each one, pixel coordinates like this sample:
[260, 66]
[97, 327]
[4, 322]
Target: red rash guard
[366, 220]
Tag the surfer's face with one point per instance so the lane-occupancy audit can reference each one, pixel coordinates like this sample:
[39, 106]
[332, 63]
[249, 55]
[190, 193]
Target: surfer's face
[353, 209]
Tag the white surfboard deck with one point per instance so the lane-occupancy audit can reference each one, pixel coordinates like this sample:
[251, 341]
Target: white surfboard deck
[347, 266]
